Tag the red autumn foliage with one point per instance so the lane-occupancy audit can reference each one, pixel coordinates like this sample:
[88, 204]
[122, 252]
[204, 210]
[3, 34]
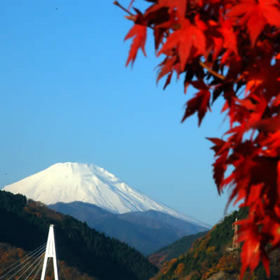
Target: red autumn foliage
[229, 49]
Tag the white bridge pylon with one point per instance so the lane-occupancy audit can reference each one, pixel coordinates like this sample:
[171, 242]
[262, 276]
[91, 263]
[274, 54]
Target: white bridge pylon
[50, 253]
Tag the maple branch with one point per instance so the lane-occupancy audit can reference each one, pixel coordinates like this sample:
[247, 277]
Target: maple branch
[214, 73]
[122, 7]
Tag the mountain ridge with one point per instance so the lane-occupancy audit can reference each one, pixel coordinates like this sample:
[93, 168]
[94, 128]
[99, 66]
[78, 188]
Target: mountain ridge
[70, 181]
[147, 231]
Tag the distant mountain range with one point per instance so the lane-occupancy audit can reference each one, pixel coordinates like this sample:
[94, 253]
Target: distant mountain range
[24, 224]
[96, 196]
[146, 231]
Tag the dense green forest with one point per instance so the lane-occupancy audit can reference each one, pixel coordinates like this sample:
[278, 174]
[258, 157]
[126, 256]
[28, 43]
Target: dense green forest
[212, 257]
[24, 224]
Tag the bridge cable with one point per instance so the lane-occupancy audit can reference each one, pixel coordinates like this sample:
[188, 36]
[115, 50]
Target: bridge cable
[20, 262]
[39, 269]
[29, 267]
[27, 262]
[35, 266]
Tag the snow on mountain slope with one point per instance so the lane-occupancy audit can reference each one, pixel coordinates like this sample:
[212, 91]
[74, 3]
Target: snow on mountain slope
[68, 182]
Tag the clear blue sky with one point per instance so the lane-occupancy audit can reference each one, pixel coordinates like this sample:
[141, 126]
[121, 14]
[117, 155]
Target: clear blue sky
[67, 96]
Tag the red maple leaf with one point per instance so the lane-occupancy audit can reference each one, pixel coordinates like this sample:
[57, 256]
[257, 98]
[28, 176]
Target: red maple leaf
[251, 253]
[139, 34]
[229, 42]
[199, 104]
[168, 66]
[221, 149]
[189, 41]
[256, 14]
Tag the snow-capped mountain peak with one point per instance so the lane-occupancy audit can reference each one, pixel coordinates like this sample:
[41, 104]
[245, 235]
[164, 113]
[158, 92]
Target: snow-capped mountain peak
[70, 181]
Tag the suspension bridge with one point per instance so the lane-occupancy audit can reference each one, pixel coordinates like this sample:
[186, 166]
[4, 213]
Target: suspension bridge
[34, 264]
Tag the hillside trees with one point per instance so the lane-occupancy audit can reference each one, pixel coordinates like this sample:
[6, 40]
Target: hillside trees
[228, 50]
[24, 224]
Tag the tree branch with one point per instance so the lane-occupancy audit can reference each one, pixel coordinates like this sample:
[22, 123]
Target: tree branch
[122, 7]
[214, 73]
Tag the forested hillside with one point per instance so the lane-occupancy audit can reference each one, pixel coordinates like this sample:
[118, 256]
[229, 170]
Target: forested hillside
[12, 257]
[212, 258]
[175, 249]
[24, 224]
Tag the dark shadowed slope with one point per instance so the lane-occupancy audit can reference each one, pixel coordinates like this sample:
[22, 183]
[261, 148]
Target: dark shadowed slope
[25, 225]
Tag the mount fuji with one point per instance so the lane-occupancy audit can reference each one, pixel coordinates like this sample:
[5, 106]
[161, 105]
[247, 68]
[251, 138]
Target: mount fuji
[96, 196]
